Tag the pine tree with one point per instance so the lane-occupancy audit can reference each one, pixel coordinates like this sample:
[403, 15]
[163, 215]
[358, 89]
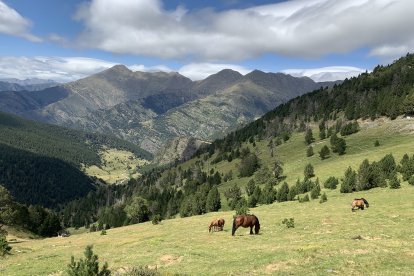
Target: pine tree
[324, 153]
[268, 194]
[251, 185]
[88, 266]
[283, 192]
[213, 202]
[309, 151]
[322, 130]
[309, 137]
[316, 191]
[349, 181]
[292, 193]
[308, 171]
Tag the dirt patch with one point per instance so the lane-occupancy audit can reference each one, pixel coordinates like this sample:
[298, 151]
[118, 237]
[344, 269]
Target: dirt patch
[354, 251]
[171, 260]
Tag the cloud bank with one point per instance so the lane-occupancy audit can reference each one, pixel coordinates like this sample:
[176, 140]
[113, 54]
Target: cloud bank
[65, 69]
[12, 23]
[331, 73]
[305, 28]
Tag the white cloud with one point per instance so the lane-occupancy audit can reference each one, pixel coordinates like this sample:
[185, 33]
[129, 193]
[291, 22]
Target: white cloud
[64, 69]
[199, 71]
[60, 69]
[12, 23]
[307, 28]
[330, 73]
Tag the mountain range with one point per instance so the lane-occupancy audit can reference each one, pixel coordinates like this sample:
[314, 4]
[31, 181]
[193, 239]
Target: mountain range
[35, 84]
[150, 109]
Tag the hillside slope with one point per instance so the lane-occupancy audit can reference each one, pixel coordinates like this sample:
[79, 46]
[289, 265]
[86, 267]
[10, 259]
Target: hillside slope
[43, 164]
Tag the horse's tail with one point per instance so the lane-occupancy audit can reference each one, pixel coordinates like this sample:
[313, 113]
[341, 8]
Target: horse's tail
[257, 225]
[233, 229]
[365, 201]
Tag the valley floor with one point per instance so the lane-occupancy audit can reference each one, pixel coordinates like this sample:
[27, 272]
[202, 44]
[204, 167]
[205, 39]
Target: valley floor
[327, 238]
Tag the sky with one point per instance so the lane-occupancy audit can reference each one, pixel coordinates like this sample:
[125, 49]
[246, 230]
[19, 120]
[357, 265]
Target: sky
[323, 39]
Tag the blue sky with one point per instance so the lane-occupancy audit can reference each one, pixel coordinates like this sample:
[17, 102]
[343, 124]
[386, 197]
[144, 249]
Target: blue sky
[322, 39]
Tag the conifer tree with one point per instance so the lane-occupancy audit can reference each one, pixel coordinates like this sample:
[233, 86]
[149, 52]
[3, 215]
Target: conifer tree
[213, 202]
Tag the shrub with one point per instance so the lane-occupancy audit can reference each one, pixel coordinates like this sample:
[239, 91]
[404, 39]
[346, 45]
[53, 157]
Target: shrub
[394, 183]
[4, 246]
[304, 199]
[290, 223]
[411, 180]
[331, 183]
[242, 209]
[156, 219]
[324, 198]
[88, 266]
[309, 151]
[92, 228]
[103, 232]
[350, 128]
[316, 191]
[376, 143]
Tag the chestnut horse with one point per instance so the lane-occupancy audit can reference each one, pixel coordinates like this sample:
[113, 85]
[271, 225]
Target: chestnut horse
[246, 221]
[217, 224]
[359, 203]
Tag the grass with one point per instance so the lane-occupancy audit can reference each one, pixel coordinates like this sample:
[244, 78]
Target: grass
[395, 137]
[327, 237]
[117, 166]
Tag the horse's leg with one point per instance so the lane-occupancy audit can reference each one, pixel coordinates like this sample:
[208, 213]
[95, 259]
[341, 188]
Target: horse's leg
[251, 230]
[362, 207]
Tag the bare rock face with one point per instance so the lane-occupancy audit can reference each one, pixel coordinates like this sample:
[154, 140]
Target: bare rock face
[178, 149]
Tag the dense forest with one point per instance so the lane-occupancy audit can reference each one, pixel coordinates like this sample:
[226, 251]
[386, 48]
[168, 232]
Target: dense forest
[36, 179]
[69, 145]
[40, 163]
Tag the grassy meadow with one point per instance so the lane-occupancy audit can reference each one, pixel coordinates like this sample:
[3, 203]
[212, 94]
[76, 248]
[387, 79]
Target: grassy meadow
[327, 239]
[117, 166]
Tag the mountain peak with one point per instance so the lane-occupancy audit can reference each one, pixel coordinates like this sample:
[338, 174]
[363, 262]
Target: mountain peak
[119, 68]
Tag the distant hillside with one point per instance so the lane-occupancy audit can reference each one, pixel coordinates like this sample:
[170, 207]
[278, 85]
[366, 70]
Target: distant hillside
[41, 163]
[387, 91]
[150, 109]
[25, 85]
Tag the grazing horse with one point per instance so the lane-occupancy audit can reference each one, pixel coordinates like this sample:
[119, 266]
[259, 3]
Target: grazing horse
[359, 203]
[246, 221]
[217, 224]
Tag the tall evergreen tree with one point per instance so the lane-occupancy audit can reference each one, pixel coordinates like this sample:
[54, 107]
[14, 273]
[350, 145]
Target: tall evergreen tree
[309, 137]
[213, 202]
[283, 192]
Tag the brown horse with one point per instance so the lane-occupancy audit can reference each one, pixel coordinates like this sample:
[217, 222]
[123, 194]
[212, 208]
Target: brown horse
[246, 221]
[218, 224]
[359, 203]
